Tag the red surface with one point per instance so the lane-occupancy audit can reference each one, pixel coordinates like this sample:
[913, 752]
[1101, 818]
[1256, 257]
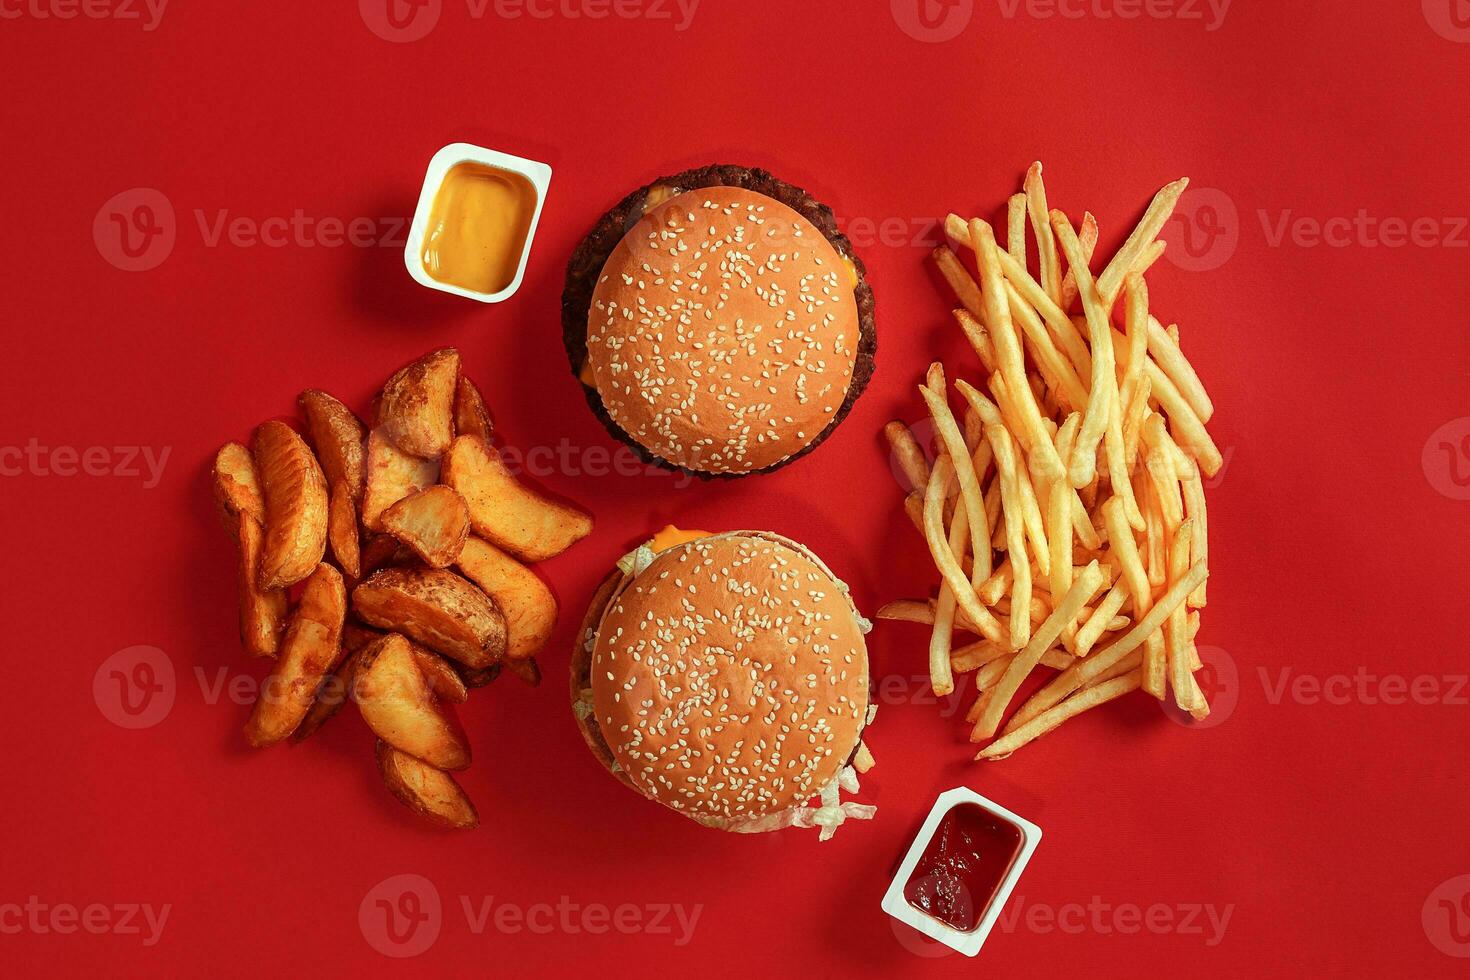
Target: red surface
[1333, 833]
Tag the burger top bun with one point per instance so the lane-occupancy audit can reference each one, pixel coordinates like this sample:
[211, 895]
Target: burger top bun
[723, 331]
[730, 678]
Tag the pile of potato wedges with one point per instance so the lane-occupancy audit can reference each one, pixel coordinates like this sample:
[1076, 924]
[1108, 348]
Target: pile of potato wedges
[386, 567]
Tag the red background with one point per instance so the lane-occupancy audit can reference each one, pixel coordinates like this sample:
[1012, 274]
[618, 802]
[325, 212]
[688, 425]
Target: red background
[1323, 828]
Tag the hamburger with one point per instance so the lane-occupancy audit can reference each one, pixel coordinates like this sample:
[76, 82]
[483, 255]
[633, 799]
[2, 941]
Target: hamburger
[725, 676]
[719, 322]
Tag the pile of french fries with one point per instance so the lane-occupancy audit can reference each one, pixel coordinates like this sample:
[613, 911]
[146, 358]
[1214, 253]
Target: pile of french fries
[1065, 510]
[404, 549]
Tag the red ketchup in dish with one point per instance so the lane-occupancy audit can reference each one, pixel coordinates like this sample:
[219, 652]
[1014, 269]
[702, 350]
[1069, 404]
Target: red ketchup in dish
[964, 865]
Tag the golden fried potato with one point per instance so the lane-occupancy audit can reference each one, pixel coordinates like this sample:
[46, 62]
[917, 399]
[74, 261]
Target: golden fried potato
[471, 417]
[397, 703]
[237, 486]
[506, 513]
[443, 679]
[479, 676]
[433, 522]
[295, 506]
[338, 437]
[416, 408]
[262, 611]
[526, 601]
[527, 670]
[310, 650]
[429, 792]
[342, 530]
[392, 475]
[439, 609]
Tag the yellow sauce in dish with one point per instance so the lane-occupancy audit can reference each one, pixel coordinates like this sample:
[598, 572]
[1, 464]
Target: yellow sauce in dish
[478, 226]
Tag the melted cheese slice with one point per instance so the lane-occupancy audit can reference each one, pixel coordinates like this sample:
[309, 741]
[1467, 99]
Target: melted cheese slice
[672, 537]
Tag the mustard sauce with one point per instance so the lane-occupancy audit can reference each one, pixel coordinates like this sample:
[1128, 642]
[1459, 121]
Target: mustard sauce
[478, 226]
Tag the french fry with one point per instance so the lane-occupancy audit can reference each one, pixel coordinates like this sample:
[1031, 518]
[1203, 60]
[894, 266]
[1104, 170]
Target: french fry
[1036, 207]
[295, 506]
[1171, 360]
[1087, 235]
[908, 454]
[1159, 462]
[338, 438]
[1102, 619]
[979, 339]
[436, 608]
[1103, 389]
[392, 474]
[1188, 431]
[944, 559]
[908, 611]
[1194, 506]
[973, 656]
[416, 408]
[1066, 612]
[962, 464]
[1059, 536]
[1176, 636]
[310, 649]
[1063, 331]
[1008, 350]
[1159, 211]
[1016, 227]
[1012, 504]
[1054, 717]
[395, 699]
[431, 793]
[504, 511]
[1087, 670]
[1059, 372]
[434, 523]
[966, 290]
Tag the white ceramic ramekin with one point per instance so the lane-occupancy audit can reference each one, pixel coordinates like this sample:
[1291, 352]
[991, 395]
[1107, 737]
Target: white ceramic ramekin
[539, 174]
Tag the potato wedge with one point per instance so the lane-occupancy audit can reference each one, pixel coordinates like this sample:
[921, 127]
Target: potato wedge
[342, 530]
[478, 677]
[416, 408]
[471, 417]
[334, 691]
[237, 486]
[310, 650]
[337, 435]
[433, 522]
[262, 611]
[429, 792]
[442, 678]
[527, 670]
[397, 703]
[391, 475]
[383, 550]
[526, 601]
[295, 506]
[439, 609]
[504, 512]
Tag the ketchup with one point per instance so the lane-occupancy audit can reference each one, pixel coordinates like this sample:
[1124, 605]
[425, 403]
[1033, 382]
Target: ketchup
[963, 866]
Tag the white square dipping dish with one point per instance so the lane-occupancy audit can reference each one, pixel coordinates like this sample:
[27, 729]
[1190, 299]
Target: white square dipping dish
[969, 943]
[539, 174]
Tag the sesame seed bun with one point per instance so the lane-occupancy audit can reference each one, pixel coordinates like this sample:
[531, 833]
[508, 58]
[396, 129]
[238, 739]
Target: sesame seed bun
[728, 680]
[727, 329]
